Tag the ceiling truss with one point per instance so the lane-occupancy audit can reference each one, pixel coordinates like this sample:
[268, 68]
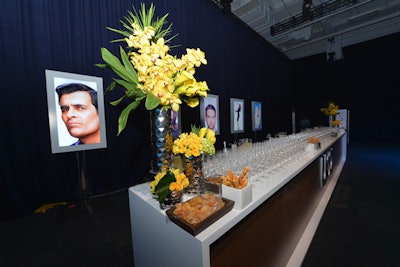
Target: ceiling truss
[334, 23]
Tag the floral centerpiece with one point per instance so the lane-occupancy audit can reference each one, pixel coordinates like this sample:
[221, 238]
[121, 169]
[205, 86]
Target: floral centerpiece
[147, 72]
[195, 143]
[331, 111]
[167, 182]
[191, 146]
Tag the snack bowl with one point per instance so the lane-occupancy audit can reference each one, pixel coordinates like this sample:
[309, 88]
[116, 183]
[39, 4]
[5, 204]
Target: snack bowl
[242, 197]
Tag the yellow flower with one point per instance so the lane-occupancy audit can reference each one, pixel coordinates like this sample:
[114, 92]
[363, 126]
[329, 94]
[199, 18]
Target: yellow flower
[174, 181]
[154, 72]
[195, 143]
[192, 102]
[332, 109]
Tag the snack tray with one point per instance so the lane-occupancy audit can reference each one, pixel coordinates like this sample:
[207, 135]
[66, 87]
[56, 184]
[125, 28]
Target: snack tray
[195, 229]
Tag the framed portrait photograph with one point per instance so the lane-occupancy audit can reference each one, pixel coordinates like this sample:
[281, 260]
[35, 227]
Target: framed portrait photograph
[176, 124]
[256, 115]
[237, 115]
[76, 111]
[209, 112]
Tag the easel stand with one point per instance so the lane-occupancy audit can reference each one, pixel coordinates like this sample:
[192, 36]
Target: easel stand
[85, 197]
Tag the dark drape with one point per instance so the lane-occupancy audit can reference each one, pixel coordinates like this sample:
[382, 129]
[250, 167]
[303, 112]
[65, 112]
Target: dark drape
[365, 81]
[66, 35]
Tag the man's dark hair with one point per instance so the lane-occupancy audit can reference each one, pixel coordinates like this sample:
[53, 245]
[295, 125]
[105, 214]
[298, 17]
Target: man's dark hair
[210, 106]
[68, 88]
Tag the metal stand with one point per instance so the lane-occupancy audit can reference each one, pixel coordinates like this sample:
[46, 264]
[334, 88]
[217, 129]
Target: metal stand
[255, 136]
[80, 156]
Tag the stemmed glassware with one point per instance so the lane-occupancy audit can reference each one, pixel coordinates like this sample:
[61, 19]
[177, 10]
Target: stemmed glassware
[265, 159]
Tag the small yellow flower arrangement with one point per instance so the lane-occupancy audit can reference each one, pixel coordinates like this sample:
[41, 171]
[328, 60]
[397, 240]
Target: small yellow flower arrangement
[331, 109]
[168, 181]
[195, 143]
[336, 123]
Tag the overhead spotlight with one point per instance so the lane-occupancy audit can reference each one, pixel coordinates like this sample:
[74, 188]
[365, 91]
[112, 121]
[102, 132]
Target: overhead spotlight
[307, 12]
[226, 5]
[330, 57]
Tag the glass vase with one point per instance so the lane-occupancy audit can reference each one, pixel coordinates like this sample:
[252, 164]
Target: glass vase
[193, 169]
[172, 199]
[161, 139]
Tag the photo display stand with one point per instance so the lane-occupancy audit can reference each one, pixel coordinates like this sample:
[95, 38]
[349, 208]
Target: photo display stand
[61, 139]
[83, 181]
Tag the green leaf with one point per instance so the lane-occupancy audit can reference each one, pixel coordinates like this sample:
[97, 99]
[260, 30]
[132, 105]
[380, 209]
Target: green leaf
[111, 86]
[195, 129]
[128, 65]
[122, 32]
[101, 65]
[152, 101]
[116, 65]
[123, 117]
[131, 89]
[117, 102]
[162, 188]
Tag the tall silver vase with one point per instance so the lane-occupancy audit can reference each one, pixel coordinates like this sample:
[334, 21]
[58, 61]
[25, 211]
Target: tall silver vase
[193, 168]
[161, 139]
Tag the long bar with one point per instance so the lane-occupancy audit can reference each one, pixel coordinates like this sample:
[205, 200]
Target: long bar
[275, 229]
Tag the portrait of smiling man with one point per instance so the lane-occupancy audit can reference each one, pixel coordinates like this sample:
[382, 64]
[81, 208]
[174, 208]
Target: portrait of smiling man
[79, 112]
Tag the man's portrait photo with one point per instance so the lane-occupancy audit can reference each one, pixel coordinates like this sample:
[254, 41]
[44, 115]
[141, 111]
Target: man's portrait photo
[76, 111]
[209, 108]
[256, 115]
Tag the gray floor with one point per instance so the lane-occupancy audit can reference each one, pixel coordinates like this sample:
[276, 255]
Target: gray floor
[360, 227]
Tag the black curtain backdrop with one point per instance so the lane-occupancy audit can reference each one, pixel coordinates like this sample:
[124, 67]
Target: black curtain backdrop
[365, 81]
[66, 35]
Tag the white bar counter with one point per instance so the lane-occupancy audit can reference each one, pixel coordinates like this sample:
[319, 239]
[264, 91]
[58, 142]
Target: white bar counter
[157, 241]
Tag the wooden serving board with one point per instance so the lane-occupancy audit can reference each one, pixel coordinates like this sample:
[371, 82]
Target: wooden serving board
[195, 229]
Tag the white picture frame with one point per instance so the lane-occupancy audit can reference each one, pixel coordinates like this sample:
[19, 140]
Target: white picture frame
[61, 140]
[237, 115]
[210, 105]
[256, 115]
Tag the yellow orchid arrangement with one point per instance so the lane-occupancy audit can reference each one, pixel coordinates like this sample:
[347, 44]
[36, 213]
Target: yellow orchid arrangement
[147, 72]
[195, 143]
[331, 109]
[167, 181]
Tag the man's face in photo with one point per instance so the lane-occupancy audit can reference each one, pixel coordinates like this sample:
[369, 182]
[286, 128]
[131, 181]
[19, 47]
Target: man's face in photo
[79, 114]
[211, 118]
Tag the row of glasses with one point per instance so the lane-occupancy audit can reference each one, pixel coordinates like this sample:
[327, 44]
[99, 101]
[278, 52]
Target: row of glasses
[265, 159]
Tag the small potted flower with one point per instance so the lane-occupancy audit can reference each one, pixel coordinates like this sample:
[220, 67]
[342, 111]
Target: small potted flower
[336, 123]
[331, 111]
[168, 186]
[192, 146]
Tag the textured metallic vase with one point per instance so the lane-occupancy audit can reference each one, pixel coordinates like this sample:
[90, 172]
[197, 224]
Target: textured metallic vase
[161, 139]
[331, 120]
[172, 199]
[193, 169]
